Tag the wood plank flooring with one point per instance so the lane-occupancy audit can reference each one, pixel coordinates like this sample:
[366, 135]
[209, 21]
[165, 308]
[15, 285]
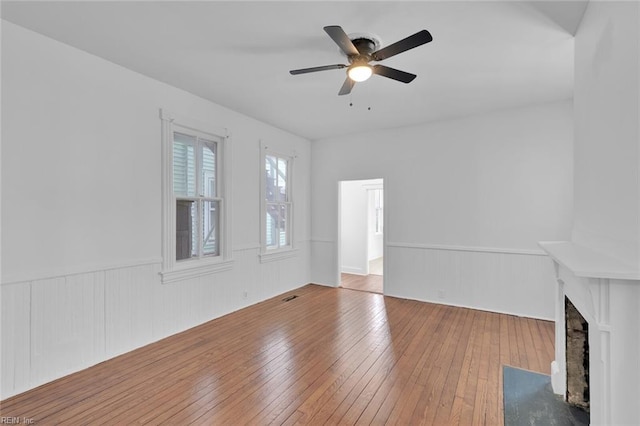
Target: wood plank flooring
[328, 356]
[371, 283]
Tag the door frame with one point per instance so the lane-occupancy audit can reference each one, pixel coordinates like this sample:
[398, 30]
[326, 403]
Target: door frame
[338, 263]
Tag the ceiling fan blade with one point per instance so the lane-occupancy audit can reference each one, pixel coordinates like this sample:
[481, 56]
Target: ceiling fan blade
[314, 69]
[342, 39]
[346, 87]
[393, 73]
[418, 39]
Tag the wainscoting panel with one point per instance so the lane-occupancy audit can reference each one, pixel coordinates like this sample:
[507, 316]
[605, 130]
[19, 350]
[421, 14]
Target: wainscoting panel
[16, 334]
[55, 326]
[183, 304]
[275, 275]
[67, 324]
[129, 301]
[517, 282]
[247, 272]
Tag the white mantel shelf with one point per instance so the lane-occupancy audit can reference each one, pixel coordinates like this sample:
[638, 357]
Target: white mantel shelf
[606, 291]
[587, 263]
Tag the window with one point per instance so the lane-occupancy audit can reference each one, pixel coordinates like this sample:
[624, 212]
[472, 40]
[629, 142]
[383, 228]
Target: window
[196, 195]
[196, 238]
[276, 205]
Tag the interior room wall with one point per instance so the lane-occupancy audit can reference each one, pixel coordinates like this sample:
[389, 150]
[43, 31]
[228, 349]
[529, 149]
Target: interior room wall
[607, 130]
[607, 198]
[466, 202]
[353, 228]
[81, 206]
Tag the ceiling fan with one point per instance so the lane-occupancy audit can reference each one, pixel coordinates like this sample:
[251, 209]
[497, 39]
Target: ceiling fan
[361, 50]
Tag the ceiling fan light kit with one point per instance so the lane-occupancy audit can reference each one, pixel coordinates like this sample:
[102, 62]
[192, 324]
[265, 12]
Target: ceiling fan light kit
[361, 49]
[359, 72]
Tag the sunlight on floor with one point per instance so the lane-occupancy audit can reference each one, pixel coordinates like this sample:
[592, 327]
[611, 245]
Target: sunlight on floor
[375, 266]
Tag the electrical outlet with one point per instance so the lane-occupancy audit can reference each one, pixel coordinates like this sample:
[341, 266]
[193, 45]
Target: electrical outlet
[442, 294]
[245, 294]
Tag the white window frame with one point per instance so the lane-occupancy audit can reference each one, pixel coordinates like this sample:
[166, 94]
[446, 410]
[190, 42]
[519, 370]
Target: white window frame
[290, 250]
[173, 270]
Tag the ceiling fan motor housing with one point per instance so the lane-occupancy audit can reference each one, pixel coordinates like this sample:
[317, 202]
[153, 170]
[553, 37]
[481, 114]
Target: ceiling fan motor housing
[366, 45]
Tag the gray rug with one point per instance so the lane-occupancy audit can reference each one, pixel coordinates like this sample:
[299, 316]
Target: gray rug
[529, 400]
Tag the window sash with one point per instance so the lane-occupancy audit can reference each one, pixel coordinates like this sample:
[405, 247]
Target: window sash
[277, 229]
[201, 227]
[276, 202]
[184, 164]
[195, 167]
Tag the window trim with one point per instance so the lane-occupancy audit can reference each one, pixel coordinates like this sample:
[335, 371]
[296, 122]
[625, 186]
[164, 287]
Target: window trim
[291, 250]
[172, 270]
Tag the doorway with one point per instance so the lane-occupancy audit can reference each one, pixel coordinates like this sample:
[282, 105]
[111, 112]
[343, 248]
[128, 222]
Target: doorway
[361, 235]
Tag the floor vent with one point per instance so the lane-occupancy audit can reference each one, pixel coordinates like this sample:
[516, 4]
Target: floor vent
[286, 299]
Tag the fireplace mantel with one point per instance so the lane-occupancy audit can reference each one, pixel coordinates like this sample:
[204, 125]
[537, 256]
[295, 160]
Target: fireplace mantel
[586, 263]
[606, 291]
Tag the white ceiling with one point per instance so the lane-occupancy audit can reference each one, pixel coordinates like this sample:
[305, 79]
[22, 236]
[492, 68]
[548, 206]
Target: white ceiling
[484, 55]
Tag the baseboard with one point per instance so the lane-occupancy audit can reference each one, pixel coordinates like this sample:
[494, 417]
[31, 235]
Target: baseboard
[352, 270]
[458, 305]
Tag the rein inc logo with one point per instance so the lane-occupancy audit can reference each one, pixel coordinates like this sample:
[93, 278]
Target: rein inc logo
[16, 421]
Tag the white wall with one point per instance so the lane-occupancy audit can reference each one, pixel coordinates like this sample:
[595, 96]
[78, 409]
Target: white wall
[466, 202]
[81, 203]
[607, 198]
[353, 228]
[607, 130]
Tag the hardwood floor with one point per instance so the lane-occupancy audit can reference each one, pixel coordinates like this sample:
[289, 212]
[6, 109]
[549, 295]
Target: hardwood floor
[370, 283]
[327, 356]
